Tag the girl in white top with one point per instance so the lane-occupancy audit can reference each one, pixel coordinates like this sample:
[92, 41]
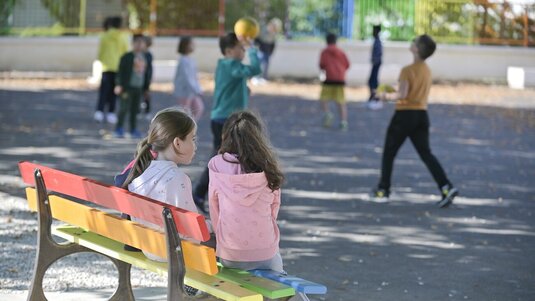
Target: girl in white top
[171, 136]
[186, 84]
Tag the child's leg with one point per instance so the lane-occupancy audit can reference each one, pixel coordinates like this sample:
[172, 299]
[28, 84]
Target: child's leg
[274, 264]
[135, 99]
[197, 107]
[185, 103]
[147, 101]
[124, 108]
[420, 139]
[395, 136]
[342, 108]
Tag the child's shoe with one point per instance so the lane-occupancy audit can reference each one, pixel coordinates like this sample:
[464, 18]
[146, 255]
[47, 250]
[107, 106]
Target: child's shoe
[448, 194]
[118, 133]
[328, 119]
[191, 291]
[98, 116]
[111, 118]
[343, 126]
[135, 134]
[380, 195]
[375, 105]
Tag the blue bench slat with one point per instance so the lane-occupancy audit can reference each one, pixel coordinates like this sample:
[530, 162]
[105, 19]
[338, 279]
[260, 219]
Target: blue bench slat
[300, 285]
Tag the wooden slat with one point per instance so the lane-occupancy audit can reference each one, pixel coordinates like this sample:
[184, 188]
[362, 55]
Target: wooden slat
[209, 284]
[188, 223]
[300, 285]
[196, 256]
[268, 288]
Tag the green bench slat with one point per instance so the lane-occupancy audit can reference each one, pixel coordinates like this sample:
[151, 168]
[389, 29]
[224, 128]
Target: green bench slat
[300, 285]
[215, 286]
[266, 287]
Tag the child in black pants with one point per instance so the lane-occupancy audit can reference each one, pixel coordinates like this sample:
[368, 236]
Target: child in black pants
[411, 121]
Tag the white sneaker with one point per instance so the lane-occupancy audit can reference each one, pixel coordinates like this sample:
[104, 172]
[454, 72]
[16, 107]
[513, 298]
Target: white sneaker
[98, 116]
[111, 118]
[375, 105]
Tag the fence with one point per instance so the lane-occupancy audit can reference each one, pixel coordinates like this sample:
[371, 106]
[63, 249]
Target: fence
[448, 21]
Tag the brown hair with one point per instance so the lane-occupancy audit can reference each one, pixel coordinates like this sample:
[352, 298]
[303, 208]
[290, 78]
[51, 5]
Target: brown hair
[165, 126]
[244, 135]
[183, 45]
[425, 45]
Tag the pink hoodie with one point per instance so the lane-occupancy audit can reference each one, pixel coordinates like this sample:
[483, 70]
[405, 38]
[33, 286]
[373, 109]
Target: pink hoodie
[243, 210]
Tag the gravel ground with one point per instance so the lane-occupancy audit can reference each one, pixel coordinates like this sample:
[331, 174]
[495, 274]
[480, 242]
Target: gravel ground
[480, 249]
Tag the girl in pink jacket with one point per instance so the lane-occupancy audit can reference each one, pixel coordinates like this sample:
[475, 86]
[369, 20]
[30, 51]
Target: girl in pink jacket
[244, 195]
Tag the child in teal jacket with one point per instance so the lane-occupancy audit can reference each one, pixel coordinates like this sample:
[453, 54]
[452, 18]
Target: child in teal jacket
[231, 94]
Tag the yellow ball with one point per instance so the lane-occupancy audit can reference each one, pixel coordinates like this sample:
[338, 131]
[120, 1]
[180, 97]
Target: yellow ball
[247, 27]
[385, 88]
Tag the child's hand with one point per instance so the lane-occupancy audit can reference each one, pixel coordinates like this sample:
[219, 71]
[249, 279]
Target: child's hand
[247, 42]
[118, 90]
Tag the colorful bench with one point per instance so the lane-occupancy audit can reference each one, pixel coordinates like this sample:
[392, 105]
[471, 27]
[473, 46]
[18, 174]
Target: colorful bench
[90, 229]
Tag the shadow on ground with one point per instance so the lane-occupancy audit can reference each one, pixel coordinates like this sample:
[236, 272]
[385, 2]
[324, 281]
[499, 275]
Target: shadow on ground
[479, 249]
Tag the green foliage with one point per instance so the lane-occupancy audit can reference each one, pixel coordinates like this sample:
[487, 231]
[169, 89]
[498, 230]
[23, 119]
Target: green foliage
[396, 17]
[6, 8]
[66, 12]
[313, 16]
[261, 10]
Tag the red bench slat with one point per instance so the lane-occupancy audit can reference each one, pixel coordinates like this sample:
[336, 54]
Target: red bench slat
[188, 223]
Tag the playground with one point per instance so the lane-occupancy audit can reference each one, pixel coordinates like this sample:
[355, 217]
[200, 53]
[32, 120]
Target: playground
[480, 248]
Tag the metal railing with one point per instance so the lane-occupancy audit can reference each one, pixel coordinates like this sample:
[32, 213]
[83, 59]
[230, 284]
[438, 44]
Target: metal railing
[448, 21]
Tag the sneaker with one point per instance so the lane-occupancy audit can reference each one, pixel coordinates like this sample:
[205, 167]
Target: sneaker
[98, 116]
[118, 133]
[380, 195]
[375, 105]
[111, 118]
[191, 291]
[448, 194]
[135, 134]
[328, 120]
[343, 126]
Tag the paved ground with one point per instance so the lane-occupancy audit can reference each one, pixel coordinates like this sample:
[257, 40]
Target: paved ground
[479, 249]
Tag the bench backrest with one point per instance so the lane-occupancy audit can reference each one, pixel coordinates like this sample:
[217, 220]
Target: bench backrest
[188, 223]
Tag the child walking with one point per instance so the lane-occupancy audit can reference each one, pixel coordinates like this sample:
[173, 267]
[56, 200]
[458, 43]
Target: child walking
[186, 84]
[373, 82]
[133, 79]
[334, 62]
[245, 197]
[410, 120]
[231, 94]
[112, 46]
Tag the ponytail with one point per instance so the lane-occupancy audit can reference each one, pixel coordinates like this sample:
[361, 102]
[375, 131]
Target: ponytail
[141, 162]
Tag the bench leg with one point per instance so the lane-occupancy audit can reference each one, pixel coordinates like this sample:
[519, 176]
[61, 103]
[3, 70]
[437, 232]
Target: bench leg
[49, 251]
[124, 288]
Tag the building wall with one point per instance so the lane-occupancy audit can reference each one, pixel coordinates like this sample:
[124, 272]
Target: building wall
[292, 59]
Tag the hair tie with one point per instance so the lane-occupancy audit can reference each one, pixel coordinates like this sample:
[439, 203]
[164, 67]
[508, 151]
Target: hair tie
[149, 145]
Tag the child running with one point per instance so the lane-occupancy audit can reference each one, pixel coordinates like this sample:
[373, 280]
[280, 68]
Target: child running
[186, 85]
[411, 121]
[335, 64]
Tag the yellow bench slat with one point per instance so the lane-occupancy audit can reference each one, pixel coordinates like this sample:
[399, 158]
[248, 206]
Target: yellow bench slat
[196, 256]
[209, 284]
